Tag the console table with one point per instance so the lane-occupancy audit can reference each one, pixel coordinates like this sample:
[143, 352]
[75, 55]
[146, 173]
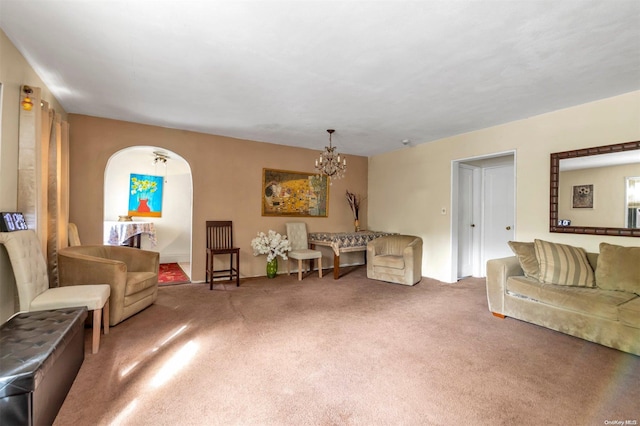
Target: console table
[343, 242]
[128, 233]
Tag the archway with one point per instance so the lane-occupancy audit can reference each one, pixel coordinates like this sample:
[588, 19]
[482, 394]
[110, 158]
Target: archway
[174, 226]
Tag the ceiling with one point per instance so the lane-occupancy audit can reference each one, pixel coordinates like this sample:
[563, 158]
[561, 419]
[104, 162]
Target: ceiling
[379, 72]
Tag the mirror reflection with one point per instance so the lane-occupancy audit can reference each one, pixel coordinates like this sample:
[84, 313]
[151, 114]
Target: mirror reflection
[597, 199]
[600, 190]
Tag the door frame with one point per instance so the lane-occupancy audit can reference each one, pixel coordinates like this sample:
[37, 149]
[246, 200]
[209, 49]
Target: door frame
[475, 209]
[453, 226]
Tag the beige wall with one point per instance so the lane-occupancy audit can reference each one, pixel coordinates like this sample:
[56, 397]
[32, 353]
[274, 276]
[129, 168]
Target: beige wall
[227, 175]
[408, 187]
[609, 192]
[15, 72]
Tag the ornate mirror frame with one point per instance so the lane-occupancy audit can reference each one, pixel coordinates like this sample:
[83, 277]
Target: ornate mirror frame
[554, 191]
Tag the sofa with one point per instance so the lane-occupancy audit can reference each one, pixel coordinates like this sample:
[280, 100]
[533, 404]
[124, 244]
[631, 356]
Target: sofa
[395, 259]
[593, 296]
[132, 274]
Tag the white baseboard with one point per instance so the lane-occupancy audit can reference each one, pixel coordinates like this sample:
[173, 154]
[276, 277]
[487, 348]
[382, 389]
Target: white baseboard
[174, 258]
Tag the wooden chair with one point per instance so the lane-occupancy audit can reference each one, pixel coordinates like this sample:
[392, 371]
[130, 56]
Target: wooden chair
[297, 235]
[220, 241]
[32, 282]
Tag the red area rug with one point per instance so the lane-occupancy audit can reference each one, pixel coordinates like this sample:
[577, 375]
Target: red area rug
[172, 273]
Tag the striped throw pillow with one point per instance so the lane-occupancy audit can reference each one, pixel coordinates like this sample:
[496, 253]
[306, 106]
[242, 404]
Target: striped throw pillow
[563, 264]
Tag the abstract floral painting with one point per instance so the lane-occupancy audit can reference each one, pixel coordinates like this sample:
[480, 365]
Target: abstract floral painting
[145, 195]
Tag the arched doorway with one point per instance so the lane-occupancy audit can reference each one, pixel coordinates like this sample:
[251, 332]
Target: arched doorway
[173, 227]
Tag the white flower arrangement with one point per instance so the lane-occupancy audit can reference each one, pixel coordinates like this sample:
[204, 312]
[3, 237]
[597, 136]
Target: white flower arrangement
[272, 244]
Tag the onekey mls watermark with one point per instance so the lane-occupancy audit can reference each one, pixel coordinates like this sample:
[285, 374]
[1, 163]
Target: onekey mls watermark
[621, 422]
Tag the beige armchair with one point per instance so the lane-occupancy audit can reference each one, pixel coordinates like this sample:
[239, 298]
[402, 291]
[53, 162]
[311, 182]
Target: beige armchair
[131, 273]
[395, 258]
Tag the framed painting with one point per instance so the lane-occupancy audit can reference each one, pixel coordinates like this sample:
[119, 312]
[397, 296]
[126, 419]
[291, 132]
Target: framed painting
[582, 197]
[299, 194]
[145, 195]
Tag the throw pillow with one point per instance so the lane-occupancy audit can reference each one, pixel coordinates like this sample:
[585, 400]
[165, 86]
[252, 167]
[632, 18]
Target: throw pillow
[526, 254]
[563, 264]
[618, 268]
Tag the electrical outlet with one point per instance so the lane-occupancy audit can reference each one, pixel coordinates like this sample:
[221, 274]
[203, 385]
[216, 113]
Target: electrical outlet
[443, 211]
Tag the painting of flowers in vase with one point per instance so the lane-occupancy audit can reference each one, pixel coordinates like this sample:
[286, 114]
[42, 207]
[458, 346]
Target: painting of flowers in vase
[145, 195]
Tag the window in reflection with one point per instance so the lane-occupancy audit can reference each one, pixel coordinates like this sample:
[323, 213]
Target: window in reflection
[633, 202]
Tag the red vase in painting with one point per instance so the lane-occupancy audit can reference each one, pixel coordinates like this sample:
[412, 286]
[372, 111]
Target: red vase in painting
[143, 206]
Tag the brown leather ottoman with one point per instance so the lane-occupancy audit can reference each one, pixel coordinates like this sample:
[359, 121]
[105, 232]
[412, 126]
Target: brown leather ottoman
[40, 355]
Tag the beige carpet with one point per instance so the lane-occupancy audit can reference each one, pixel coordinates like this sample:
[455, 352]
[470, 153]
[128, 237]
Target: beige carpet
[346, 352]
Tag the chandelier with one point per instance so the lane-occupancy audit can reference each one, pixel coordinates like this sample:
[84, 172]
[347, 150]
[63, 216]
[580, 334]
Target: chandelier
[329, 163]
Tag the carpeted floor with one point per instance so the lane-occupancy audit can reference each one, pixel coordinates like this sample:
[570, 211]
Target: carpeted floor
[171, 273]
[346, 352]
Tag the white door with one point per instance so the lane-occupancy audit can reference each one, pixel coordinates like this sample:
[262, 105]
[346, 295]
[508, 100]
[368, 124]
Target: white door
[465, 221]
[498, 213]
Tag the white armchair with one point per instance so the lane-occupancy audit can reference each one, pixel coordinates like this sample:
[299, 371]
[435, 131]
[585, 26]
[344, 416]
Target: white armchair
[32, 282]
[396, 259]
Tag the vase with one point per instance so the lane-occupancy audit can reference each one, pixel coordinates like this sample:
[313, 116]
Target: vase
[272, 268]
[356, 224]
[143, 206]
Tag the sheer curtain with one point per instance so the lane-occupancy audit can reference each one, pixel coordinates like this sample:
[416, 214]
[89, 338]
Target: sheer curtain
[43, 177]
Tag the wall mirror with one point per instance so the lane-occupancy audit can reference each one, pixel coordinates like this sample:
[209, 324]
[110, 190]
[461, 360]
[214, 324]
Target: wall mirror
[596, 190]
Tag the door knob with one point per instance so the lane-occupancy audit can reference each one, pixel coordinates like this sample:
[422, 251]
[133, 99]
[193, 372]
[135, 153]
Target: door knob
[473, 225]
[508, 228]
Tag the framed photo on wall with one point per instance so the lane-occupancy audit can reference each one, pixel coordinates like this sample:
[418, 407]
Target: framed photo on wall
[582, 197]
[298, 194]
[145, 195]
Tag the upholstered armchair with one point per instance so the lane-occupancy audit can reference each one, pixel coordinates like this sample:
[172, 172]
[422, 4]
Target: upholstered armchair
[32, 283]
[395, 258]
[131, 273]
[297, 235]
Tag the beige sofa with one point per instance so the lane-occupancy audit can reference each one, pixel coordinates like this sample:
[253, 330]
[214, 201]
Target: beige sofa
[395, 258]
[607, 313]
[131, 273]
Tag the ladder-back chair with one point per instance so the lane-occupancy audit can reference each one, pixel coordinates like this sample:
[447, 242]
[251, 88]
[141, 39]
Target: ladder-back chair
[220, 241]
